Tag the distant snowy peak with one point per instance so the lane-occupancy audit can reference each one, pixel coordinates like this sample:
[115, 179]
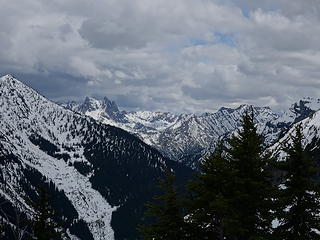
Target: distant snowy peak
[299, 111]
[92, 104]
[99, 109]
[311, 137]
[108, 112]
[154, 120]
[262, 114]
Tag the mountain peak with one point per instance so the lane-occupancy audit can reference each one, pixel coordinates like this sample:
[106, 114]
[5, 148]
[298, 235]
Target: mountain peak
[230, 109]
[8, 78]
[299, 110]
[110, 106]
[90, 100]
[106, 100]
[92, 104]
[306, 98]
[305, 104]
[223, 109]
[10, 82]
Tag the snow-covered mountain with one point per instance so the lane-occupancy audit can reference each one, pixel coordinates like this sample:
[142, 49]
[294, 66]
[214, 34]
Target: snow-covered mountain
[299, 111]
[142, 123]
[100, 174]
[188, 137]
[311, 132]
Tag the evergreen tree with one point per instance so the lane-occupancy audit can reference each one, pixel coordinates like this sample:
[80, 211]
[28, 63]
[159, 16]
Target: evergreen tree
[208, 204]
[45, 227]
[3, 228]
[167, 214]
[299, 199]
[251, 190]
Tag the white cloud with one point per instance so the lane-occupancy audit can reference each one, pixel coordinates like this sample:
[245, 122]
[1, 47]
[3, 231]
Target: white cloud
[182, 55]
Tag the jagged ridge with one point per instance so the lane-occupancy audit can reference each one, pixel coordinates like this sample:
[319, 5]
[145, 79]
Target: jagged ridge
[189, 137]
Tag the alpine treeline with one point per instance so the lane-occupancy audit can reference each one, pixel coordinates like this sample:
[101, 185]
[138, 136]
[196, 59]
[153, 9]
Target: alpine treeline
[237, 194]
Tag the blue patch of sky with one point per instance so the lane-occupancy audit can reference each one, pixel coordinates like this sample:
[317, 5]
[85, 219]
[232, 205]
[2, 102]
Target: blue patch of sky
[226, 38]
[219, 38]
[245, 12]
[197, 41]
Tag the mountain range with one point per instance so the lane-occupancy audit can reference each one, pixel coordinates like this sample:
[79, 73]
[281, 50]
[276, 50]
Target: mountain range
[100, 164]
[187, 138]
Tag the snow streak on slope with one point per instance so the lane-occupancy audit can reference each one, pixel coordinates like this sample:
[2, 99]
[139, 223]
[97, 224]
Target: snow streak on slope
[89, 203]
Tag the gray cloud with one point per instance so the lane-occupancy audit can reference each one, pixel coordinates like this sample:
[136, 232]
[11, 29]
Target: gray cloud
[103, 35]
[182, 55]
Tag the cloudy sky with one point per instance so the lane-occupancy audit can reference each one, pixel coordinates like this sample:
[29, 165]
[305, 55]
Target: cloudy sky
[168, 55]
